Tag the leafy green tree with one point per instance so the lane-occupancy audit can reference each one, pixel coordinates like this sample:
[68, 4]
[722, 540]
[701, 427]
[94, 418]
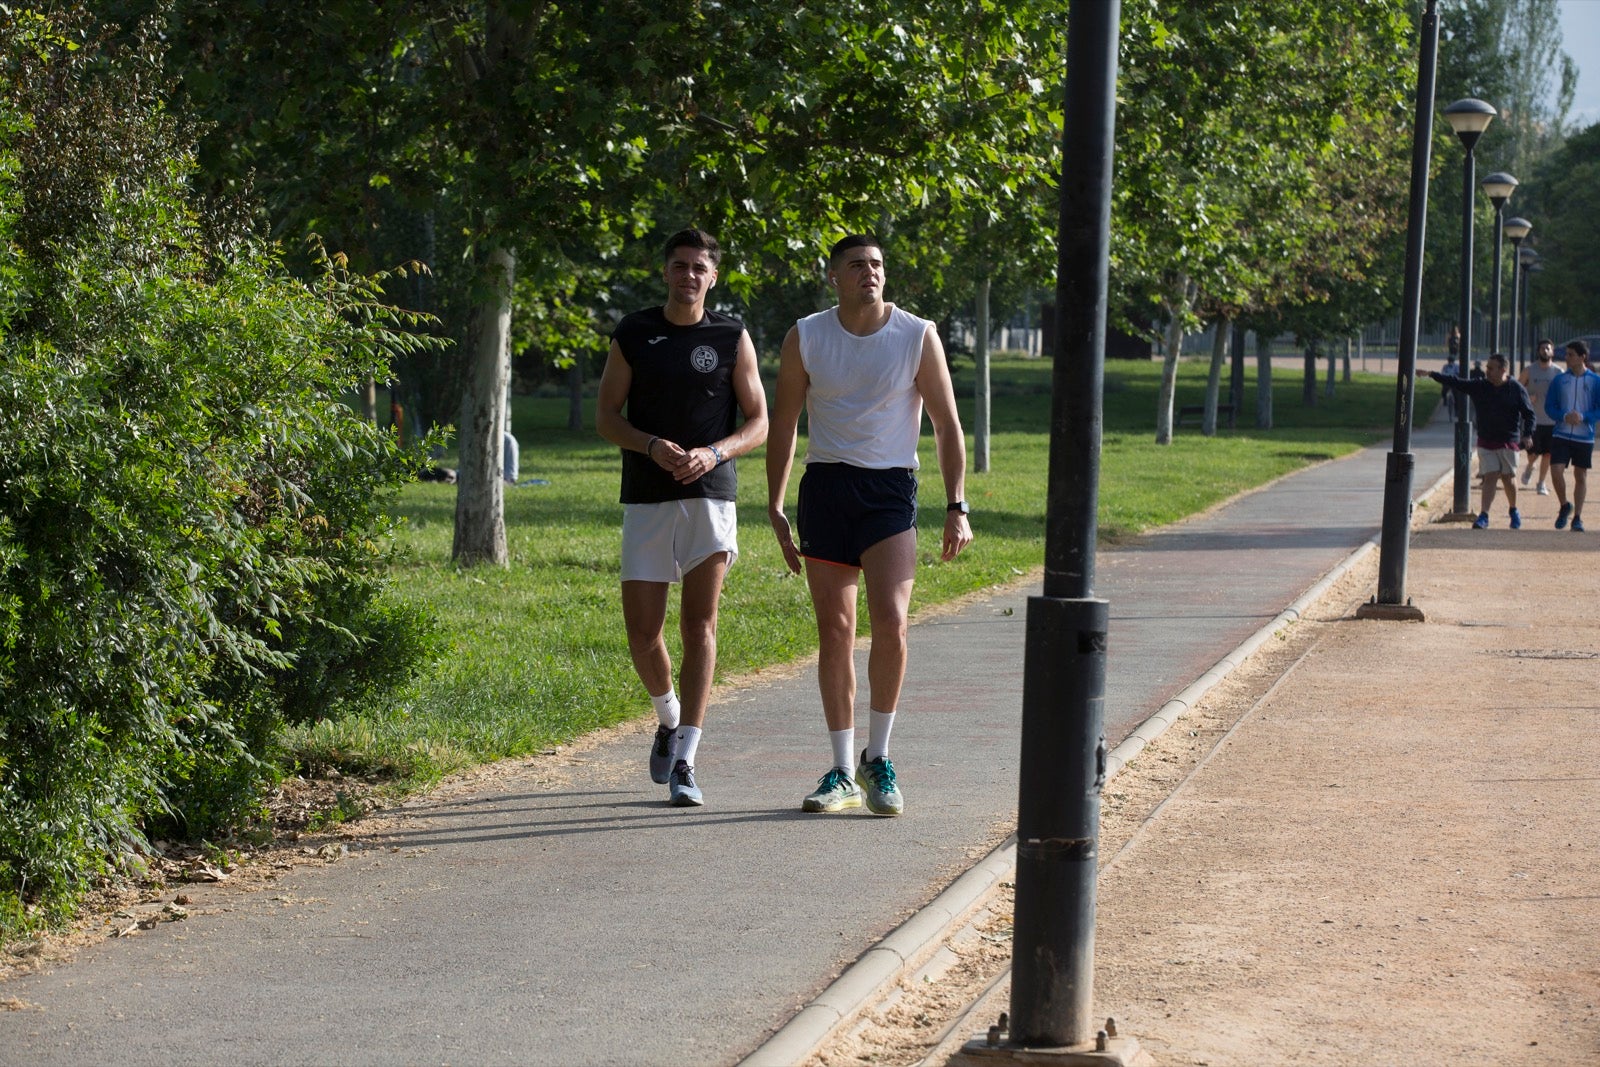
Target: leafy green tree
[1231, 117]
[1508, 53]
[1564, 199]
[191, 522]
[546, 135]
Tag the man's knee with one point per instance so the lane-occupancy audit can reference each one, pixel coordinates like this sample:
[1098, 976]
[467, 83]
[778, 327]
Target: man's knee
[699, 631]
[642, 635]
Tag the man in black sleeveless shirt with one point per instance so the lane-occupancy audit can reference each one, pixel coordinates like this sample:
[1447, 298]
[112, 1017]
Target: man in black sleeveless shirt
[683, 375]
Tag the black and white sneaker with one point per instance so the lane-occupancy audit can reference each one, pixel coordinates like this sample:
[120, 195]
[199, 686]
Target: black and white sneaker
[661, 747]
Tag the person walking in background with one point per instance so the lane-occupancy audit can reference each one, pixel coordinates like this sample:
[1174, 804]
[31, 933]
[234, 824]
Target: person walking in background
[1573, 402]
[1451, 368]
[1505, 421]
[676, 381]
[863, 371]
[1536, 378]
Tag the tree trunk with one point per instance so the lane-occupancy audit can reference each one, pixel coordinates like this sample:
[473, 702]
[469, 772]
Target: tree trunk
[1236, 379]
[369, 399]
[575, 395]
[1333, 371]
[1220, 343]
[1308, 380]
[1263, 382]
[480, 534]
[980, 351]
[1169, 380]
[1348, 345]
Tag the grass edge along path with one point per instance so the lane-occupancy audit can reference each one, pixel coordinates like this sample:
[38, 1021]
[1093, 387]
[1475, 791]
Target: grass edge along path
[536, 654]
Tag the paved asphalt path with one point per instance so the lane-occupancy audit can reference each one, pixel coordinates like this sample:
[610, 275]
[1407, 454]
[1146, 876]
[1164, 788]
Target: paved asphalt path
[576, 919]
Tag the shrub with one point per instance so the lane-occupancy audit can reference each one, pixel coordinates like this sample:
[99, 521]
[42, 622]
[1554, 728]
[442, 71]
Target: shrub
[192, 531]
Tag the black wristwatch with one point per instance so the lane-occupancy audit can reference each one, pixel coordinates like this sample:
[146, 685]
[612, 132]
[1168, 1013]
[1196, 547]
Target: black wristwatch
[961, 506]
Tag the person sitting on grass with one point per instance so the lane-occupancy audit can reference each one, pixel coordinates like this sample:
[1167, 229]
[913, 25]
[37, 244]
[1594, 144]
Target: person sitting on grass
[1505, 425]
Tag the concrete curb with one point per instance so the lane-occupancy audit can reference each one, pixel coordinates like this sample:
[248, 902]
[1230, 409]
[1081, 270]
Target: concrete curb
[883, 964]
[865, 981]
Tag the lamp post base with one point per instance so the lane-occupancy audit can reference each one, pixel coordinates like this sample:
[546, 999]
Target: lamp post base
[1104, 1051]
[1458, 516]
[1407, 612]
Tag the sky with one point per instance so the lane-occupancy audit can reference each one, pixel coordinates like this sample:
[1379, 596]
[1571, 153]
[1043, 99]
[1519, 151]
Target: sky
[1580, 33]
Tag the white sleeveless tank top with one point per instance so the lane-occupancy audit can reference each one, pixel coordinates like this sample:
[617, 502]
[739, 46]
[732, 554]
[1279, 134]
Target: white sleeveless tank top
[1539, 379]
[862, 404]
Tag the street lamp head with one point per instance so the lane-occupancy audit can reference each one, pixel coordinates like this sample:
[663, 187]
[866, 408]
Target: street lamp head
[1527, 256]
[1517, 228]
[1469, 118]
[1498, 187]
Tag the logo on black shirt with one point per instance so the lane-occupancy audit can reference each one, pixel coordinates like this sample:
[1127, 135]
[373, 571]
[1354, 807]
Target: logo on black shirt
[703, 359]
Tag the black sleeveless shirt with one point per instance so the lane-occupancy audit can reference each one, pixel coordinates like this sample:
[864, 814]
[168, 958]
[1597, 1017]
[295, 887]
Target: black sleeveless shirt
[683, 391]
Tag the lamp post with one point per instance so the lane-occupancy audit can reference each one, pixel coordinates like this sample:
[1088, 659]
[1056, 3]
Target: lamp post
[1517, 228]
[1498, 187]
[1468, 118]
[1063, 745]
[1530, 267]
[1394, 543]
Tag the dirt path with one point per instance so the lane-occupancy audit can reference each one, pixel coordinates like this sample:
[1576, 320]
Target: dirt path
[1392, 858]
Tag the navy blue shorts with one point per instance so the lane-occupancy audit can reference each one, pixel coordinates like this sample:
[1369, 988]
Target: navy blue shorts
[1541, 440]
[1564, 451]
[845, 510]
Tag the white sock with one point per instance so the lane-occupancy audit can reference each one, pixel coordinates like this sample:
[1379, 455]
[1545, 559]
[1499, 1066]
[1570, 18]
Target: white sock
[844, 748]
[688, 744]
[878, 735]
[667, 709]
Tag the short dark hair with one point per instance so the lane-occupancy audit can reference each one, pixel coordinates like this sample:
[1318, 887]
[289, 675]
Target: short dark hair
[846, 243]
[1546, 341]
[693, 238]
[1579, 346]
[1500, 358]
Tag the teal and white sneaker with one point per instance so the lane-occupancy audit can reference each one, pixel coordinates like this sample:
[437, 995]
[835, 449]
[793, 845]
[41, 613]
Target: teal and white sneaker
[876, 779]
[684, 792]
[835, 792]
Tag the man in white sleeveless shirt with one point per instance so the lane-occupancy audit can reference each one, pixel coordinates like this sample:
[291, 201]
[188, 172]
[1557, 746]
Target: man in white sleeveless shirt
[1536, 379]
[863, 371]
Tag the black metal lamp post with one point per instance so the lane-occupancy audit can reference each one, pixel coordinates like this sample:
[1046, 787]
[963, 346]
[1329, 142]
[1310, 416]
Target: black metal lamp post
[1394, 544]
[1468, 118]
[1498, 187]
[1063, 758]
[1517, 228]
[1530, 267]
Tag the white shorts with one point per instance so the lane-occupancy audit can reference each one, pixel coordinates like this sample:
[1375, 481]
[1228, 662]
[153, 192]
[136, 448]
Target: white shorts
[662, 542]
[1493, 461]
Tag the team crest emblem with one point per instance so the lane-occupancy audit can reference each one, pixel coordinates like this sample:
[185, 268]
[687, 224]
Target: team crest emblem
[703, 359]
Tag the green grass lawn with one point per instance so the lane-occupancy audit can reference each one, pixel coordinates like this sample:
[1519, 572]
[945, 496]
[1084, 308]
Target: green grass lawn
[536, 652]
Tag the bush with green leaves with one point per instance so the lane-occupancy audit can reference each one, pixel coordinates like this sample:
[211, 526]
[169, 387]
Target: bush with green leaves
[192, 524]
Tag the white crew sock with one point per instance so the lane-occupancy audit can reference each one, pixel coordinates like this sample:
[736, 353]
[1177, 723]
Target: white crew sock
[688, 745]
[667, 709]
[844, 748]
[878, 735]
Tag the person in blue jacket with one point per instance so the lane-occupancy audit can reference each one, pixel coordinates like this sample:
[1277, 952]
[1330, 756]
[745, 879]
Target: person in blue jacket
[1505, 424]
[1573, 401]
